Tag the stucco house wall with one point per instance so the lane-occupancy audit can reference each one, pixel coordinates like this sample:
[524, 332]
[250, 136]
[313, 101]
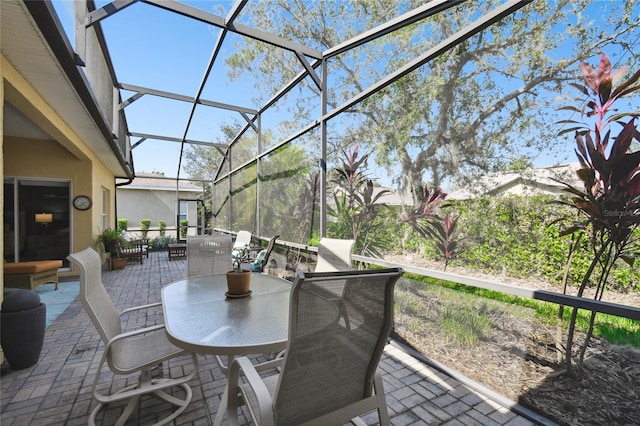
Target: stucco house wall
[52, 127]
[156, 199]
[63, 156]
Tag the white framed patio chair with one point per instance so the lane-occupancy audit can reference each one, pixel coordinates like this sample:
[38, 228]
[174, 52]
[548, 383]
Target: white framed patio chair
[334, 255]
[328, 375]
[243, 240]
[208, 254]
[141, 351]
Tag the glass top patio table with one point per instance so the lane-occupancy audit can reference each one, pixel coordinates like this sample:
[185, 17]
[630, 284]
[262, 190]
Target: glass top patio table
[200, 318]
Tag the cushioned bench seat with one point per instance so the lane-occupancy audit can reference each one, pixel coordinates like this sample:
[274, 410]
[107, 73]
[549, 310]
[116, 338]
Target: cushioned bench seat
[29, 275]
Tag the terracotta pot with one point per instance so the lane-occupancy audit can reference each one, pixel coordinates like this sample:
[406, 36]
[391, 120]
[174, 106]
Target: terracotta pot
[118, 263]
[238, 283]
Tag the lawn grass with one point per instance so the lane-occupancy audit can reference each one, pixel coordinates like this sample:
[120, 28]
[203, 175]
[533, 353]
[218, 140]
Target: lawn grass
[616, 330]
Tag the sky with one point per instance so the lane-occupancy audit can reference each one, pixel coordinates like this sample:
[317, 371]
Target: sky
[145, 41]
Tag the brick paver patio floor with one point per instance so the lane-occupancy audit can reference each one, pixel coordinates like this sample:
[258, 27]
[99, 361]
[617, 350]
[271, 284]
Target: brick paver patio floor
[57, 390]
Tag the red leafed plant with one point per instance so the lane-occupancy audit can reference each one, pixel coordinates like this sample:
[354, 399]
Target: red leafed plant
[608, 204]
[425, 220]
[446, 234]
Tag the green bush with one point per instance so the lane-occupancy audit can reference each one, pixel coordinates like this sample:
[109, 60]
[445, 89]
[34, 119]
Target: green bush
[183, 228]
[162, 242]
[123, 225]
[515, 236]
[163, 227]
[145, 224]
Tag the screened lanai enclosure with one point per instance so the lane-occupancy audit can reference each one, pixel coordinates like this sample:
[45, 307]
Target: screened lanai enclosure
[369, 120]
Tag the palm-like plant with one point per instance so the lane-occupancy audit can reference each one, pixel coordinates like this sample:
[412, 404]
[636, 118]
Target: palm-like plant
[426, 221]
[608, 205]
[357, 205]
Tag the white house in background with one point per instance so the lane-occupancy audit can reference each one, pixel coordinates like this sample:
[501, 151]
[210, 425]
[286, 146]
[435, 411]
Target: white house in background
[154, 197]
[538, 181]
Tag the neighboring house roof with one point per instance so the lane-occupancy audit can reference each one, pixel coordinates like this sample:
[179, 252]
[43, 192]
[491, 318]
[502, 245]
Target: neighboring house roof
[150, 181]
[527, 182]
[393, 197]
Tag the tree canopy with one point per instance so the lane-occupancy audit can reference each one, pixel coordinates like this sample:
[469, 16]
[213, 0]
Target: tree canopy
[487, 103]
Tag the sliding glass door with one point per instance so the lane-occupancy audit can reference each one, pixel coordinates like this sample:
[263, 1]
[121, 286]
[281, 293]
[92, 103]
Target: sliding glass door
[37, 219]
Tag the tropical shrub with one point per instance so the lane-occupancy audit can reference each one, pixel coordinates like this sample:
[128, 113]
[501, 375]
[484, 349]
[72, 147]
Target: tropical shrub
[442, 234]
[145, 224]
[123, 225]
[357, 207]
[161, 242]
[512, 236]
[184, 224]
[608, 204]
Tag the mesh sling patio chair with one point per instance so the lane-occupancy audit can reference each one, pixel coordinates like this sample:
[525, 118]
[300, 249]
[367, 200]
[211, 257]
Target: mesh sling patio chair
[208, 254]
[262, 258]
[328, 375]
[141, 351]
[334, 255]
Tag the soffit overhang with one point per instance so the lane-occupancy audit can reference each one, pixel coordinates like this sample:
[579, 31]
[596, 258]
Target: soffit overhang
[46, 61]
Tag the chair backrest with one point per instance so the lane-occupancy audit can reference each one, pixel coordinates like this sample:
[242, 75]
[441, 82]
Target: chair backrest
[260, 262]
[243, 239]
[330, 361]
[136, 245]
[208, 254]
[334, 255]
[270, 246]
[94, 296]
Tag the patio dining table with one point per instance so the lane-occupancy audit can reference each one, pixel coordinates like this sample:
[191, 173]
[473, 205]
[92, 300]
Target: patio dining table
[199, 317]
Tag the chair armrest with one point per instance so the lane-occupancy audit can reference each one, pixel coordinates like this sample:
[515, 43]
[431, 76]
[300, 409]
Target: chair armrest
[274, 363]
[128, 334]
[138, 308]
[255, 381]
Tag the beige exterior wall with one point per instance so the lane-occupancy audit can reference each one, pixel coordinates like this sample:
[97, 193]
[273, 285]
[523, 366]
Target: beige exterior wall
[2, 358]
[65, 157]
[137, 204]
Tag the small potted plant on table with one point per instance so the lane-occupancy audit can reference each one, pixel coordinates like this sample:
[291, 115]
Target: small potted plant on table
[238, 281]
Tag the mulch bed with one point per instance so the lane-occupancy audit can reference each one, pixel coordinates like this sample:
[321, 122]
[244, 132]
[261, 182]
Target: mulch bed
[518, 359]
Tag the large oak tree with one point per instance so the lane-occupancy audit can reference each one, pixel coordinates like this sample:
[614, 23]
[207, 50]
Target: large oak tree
[485, 104]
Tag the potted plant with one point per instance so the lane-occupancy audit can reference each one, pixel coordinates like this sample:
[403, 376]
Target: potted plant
[238, 281]
[110, 238]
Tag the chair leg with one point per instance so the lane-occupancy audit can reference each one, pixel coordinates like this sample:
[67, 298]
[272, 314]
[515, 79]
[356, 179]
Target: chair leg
[131, 405]
[149, 379]
[378, 388]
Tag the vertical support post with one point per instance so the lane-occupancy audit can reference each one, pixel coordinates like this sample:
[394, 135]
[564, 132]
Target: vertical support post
[259, 175]
[230, 189]
[323, 152]
[214, 217]
[177, 209]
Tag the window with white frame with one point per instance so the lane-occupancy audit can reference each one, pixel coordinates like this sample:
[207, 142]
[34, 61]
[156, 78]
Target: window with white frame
[104, 209]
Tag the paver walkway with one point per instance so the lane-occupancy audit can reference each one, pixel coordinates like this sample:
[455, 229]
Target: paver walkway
[57, 390]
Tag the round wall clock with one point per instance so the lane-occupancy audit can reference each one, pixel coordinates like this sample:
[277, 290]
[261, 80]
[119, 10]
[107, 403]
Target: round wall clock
[82, 202]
